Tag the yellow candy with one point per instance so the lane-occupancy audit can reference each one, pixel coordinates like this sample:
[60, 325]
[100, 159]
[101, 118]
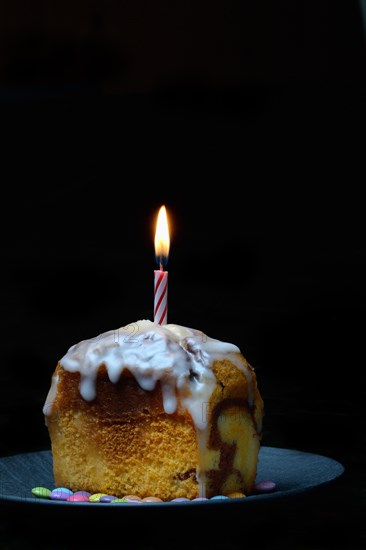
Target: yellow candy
[96, 497]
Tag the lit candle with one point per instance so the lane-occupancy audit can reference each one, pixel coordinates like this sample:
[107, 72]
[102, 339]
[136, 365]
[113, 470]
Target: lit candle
[162, 242]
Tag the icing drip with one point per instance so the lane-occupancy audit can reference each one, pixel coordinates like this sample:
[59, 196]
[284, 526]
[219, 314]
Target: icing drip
[179, 357]
[47, 407]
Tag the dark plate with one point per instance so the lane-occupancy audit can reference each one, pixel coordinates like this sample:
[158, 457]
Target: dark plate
[294, 472]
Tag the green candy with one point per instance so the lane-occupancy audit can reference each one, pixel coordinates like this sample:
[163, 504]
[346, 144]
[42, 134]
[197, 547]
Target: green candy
[119, 500]
[41, 492]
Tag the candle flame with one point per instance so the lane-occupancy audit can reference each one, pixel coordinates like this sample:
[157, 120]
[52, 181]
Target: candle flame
[162, 241]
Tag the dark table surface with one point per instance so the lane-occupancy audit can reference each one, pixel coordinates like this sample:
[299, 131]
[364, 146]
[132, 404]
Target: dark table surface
[264, 186]
[328, 518]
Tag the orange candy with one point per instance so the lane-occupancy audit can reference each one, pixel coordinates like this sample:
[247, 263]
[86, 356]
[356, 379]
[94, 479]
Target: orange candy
[236, 495]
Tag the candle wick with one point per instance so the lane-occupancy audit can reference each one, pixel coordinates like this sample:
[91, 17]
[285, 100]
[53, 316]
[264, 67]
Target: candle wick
[161, 267]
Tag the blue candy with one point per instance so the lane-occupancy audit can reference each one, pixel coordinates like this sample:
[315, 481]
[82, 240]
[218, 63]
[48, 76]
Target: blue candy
[107, 498]
[64, 489]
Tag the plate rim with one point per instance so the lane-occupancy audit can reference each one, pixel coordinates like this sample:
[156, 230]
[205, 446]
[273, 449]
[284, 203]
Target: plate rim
[339, 470]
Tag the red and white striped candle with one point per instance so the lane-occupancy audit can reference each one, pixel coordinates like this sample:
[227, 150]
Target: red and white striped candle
[162, 243]
[161, 297]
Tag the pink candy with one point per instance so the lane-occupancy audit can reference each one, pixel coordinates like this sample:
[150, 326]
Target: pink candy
[266, 486]
[78, 498]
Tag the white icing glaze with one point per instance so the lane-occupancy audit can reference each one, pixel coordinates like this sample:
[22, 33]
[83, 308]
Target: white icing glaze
[179, 357]
[51, 396]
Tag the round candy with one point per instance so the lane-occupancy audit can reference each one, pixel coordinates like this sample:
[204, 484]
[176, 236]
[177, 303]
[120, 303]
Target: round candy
[85, 493]
[116, 500]
[200, 498]
[151, 499]
[219, 497]
[132, 497]
[59, 494]
[266, 486]
[96, 497]
[236, 494]
[107, 498]
[78, 498]
[41, 492]
[64, 489]
[180, 499]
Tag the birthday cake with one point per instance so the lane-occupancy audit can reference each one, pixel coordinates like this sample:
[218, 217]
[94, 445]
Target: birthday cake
[154, 410]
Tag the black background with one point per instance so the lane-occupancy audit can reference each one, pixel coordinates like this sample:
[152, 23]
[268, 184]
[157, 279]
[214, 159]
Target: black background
[247, 120]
